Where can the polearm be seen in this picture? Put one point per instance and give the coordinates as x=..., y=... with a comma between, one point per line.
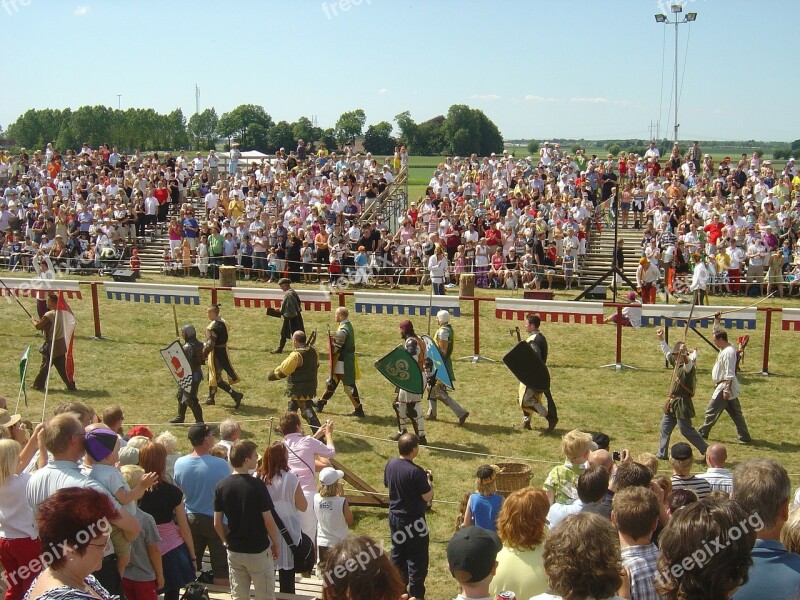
x=727, y=312
x=11, y=293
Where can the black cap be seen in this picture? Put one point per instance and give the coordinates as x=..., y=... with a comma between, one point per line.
x=602, y=440
x=198, y=432
x=471, y=554
x=681, y=451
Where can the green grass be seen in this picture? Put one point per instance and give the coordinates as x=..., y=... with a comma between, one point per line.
x=126, y=368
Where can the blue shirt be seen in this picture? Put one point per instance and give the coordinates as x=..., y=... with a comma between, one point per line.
x=775, y=573
x=190, y=223
x=485, y=510
x=198, y=476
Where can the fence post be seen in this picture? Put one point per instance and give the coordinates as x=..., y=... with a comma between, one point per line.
x=476, y=326
x=213, y=295
x=96, y=310
x=767, y=335
x=341, y=298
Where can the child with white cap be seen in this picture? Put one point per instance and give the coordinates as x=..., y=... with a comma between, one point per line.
x=334, y=516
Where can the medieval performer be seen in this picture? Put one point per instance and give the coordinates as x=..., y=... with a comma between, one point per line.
x=290, y=312
x=300, y=370
x=193, y=350
x=215, y=351
x=444, y=339
x=408, y=405
x=344, y=364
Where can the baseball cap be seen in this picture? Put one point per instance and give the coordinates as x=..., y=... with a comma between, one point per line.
x=198, y=432
x=681, y=451
x=329, y=475
x=100, y=443
x=471, y=554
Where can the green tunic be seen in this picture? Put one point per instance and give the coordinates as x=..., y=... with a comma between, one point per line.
x=681, y=405
x=347, y=354
x=302, y=383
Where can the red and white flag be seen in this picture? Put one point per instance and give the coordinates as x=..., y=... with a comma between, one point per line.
x=68, y=323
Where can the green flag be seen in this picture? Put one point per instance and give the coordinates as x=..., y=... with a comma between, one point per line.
x=23, y=369
x=400, y=368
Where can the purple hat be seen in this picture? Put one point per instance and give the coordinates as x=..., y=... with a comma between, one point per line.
x=100, y=443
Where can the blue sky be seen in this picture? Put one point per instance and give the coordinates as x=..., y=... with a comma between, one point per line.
x=538, y=69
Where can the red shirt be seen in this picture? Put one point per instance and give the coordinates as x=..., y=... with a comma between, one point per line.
x=161, y=194
x=714, y=231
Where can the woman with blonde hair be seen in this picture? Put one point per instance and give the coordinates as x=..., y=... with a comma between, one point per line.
x=522, y=527
x=19, y=546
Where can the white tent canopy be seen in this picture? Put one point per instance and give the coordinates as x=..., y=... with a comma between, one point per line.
x=247, y=157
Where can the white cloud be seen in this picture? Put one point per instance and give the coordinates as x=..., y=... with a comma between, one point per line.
x=599, y=100
x=382, y=91
x=81, y=11
x=531, y=98
x=486, y=97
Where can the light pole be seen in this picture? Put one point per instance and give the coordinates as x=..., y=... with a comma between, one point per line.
x=119, y=101
x=676, y=9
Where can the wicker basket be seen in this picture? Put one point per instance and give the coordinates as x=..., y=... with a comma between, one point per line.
x=514, y=476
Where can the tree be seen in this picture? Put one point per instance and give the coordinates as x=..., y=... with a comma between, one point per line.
x=202, y=129
x=349, y=126
x=408, y=130
x=303, y=129
x=280, y=136
x=239, y=125
x=614, y=149
x=533, y=147
x=795, y=145
x=328, y=138
x=378, y=138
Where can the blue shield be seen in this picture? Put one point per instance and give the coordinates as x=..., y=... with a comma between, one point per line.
x=440, y=371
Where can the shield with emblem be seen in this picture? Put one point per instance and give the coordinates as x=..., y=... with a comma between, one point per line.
x=178, y=365
x=439, y=368
x=526, y=365
x=400, y=368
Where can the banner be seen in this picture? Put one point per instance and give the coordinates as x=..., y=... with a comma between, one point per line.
x=68, y=323
x=178, y=365
x=400, y=368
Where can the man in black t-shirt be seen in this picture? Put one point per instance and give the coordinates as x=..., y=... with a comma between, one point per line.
x=410, y=490
x=251, y=532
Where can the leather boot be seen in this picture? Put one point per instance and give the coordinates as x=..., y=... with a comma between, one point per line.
x=197, y=412
x=181, y=414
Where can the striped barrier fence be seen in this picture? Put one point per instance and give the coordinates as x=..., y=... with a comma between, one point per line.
x=37, y=288
x=311, y=300
x=554, y=311
x=405, y=304
x=153, y=293
x=790, y=319
x=675, y=315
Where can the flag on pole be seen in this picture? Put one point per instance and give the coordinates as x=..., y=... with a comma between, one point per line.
x=68, y=323
x=178, y=365
x=23, y=369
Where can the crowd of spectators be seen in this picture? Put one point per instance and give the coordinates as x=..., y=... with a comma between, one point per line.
x=305, y=213
x=601, y=526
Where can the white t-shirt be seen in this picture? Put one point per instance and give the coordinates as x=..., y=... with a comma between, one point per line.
x=331, y=526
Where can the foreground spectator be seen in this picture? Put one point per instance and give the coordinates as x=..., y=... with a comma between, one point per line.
x=582, y=559
x=682, y=479
x=722, y=569
x=250, y=535
x=718, y=477
x=410, y=490
x=762, y=488
x=635, y=513
x=378, y=579
x=521, y=526
x=164, y=503
x=79, y=517
x=198, y=474
x=471, y=558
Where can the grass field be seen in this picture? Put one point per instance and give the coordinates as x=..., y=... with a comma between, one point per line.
x=126, y=368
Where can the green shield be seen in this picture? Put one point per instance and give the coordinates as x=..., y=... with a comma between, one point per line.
x=400, y=368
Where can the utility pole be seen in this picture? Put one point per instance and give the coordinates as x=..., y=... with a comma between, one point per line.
x=119, y=101
x=196, y=99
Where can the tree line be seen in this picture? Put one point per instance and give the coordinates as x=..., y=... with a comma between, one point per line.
x=462, y=131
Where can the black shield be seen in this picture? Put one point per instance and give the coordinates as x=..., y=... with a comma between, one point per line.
x=526, y=365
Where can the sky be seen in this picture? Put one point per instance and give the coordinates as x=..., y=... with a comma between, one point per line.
x=539, y=69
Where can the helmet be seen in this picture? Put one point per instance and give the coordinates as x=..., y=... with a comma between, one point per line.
x=443, y=316
x=411, y=346
x=189, y=332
